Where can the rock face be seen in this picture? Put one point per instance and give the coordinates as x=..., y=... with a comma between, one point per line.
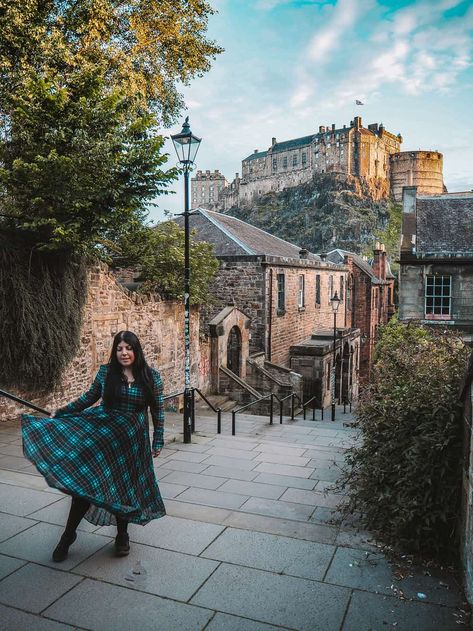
x=327, y=212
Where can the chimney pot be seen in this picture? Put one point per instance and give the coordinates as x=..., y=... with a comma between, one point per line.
x=323, y=256
x=273, y=141
x=303, y=253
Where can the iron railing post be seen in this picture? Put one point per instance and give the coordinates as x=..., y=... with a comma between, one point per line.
x=322, y=417
x=280, y=412
x=193, y=410
x=233, y=422
x=219, y=421
x=292, y=406
x=271, y=408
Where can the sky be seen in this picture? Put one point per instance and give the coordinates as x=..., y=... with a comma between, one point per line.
x=290, y=66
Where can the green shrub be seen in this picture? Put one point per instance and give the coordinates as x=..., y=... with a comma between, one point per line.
x=405, y=476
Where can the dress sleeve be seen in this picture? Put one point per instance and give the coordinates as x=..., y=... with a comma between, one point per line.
x=87, y=399
x=157, y=412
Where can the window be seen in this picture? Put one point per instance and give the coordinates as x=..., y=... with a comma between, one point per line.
x=438, y=297
x=301, y=296
x=281, y=292
x=304, y=159
x=330, y=288
x=284, y=162
x=341, y=287
x=275, y=164
x=317, y=290
x=294, y=160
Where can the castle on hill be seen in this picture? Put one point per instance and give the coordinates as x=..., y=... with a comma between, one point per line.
x=371, y=153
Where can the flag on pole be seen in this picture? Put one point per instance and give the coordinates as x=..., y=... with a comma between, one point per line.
x=359, y=102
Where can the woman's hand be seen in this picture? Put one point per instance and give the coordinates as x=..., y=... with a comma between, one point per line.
x=53, y=414
x=156, y=453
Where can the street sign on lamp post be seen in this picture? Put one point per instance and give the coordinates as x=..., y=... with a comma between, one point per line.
x=186, y=146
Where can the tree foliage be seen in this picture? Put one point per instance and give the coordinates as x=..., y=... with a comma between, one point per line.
x=159, y=253
x=406, y=475
x=84, y=87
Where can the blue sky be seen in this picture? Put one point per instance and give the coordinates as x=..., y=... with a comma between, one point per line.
x=290, y=66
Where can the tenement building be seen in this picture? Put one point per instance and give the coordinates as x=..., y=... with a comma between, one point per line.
x=369, y=297
x=206, y=186
x=372, y=153
x=285, y=293
x=436, y=275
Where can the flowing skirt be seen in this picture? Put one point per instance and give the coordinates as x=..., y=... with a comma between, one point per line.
x=103, y=456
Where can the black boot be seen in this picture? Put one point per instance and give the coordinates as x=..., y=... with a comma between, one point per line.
x=122, y=544
x=62, y=548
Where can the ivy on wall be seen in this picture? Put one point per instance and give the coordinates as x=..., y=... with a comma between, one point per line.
x=43, y=295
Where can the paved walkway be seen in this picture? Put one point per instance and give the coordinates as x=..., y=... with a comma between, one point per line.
x=247, y=545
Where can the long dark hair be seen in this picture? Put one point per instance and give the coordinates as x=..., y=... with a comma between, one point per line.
x=141, y=370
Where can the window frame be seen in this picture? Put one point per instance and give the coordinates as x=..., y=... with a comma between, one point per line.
x=281, y=293
x=301, y=292
x=440, y=296
x=318, y=293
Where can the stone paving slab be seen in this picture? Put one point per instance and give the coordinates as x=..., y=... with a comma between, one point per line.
x=312, y=498
x=220, y=499
x=12, y=524
x=230, y=472
x=9, y=565
x=15, y=463
x=198, y=512
x=26, y=481
x=101, y=607
x=255, y=489
x=195, y=479
x=179, y=465
x=235, y=463
x=225, y=622
x=23, y=501
x=298, y=472
x=283, y=459
x=286, y=480
x=377, y=612
x=170, y=491
x=15, y=620
x=43, y=586
x=166, y=573
x=293, y=602
x=172, y=533
x=37, y=544
x=277, y=508
x=235, y=452
x=272, y=553
x=287, y=527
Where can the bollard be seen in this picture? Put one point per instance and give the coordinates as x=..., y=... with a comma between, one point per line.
x=233, y=422
x=322, y=417
x=219, y=421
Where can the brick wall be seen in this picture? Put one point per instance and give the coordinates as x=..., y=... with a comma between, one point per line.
x=109, y=308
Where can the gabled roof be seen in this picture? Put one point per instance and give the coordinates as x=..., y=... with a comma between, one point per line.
x=292, y=144
x=234, y=237
x=444, y=224
x=338, y=256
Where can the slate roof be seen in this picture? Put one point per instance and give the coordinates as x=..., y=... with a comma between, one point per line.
x=444, y=224
x=338, y=256
x=234, y=237
x=292, y=144
x=257, y=154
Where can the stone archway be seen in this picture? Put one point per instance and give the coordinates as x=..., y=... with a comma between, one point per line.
x=229, y=344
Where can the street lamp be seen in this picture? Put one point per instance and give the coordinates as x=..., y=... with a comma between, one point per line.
x=335, y=302
x=186, y=146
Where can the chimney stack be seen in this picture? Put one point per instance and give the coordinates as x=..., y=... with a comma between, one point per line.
x=323, y=256
x=303, y=253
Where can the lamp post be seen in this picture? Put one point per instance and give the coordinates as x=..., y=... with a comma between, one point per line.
x=186, y=146
x=335, y=302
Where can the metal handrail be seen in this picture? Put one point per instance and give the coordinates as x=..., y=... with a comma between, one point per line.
x=28, y=404
x=172, y=396
x=218, y=411
x=235, y=412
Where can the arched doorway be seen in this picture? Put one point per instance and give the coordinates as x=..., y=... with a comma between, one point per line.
x=234, y=351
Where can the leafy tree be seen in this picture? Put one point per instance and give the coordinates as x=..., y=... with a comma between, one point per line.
x=84, y=87
x=159, y=253
x=405, y=476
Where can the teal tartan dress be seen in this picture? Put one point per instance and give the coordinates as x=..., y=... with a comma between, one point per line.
x=101, y=454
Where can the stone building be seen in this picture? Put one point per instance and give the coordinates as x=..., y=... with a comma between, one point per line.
x=284, y=290
x=436, y=275
x=371, y=153
x=206, y=186
x=369, y=297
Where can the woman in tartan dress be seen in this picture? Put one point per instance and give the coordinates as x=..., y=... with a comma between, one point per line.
x=102, y=455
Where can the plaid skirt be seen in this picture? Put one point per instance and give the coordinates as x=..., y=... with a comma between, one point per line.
x=101, y=455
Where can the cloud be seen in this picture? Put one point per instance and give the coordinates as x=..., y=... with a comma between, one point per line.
x=325, y=41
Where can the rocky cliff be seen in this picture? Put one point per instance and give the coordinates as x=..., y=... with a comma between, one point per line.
x=328, y=212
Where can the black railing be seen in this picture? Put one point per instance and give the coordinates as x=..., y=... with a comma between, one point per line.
x=244, y=407
x=218, y=411
x=28, y=404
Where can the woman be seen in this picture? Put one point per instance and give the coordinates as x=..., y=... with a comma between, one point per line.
x=102, y=455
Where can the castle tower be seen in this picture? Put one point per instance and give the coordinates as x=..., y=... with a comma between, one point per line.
x=423, y=169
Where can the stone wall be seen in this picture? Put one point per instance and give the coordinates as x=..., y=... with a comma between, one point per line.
x=294, y=323
x=466, y=527
x=109, y=308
